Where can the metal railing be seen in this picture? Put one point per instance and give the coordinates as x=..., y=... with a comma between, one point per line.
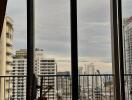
x=59, y=87
x=96, y=87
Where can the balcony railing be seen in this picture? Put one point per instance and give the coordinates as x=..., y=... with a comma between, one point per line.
x=55, y=87
x=9, y=41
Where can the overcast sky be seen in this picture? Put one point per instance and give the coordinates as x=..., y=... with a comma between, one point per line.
x=52, y=28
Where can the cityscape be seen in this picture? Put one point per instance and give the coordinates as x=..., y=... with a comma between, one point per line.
x=53, y=74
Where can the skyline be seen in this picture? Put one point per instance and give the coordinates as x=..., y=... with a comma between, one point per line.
x=93, y=28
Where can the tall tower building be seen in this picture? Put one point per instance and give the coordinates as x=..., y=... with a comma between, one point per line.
x=127, y=37
x=127, y=32
x=63, y=84
x=48, y=68
x=89, y=70
x=19, y=69
x=6, y=51
x=39, y=55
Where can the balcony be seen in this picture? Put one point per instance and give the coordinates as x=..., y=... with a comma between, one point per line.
x=9, y=58
x=9, y=50
x=9, y=41
x=91, y=87
x=8, y=68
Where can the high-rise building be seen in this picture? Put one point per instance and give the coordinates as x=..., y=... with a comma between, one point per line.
x=127, y=31
x=19, y=69
x=89, y=69
x=42, y=66
x=127, y=37
x=6, y=51
x=63, y=83
x=22, y=53
x=39, y=55
x=48, y=67
x=86, y=82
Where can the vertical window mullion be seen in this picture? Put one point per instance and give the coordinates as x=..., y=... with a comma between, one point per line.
x=30, y=48
x=115, y=49
x=74, y=49
x=121, y=48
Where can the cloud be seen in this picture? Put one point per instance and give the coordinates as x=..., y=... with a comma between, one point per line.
x=64, y=63
x=16, y=9
x=93, y=11
x=126, y=8
x=52, y=27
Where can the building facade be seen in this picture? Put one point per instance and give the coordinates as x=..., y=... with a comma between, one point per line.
x=63, y=84
x=48, y=70
x=42, y=67
x=39, y=55
x=6, y=57
x=127, y=37
x=19, y=69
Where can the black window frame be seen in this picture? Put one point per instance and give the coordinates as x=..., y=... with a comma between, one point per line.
x=30, y=48
x=117, y=48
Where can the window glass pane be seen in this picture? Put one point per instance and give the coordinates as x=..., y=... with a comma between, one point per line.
x=94, y=35
x=52, y=43
x=13, y=45
x=94, y=39
x=127, y=45
x=127, y=31
x=52, y=29
x=18, y=14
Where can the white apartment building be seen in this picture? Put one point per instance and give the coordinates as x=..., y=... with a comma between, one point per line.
x=39, y=55
x=19, y=68
x=19, y=83
x=45, y=66
x=6, y=51
x=22, y=53
x=89, y=69
x=63, y=83
x=42, y=66
x=48, y=67
x=127, y=32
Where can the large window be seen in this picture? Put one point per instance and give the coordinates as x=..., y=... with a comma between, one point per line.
x=48, y=46
x=52, y=31
x=94, y=35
